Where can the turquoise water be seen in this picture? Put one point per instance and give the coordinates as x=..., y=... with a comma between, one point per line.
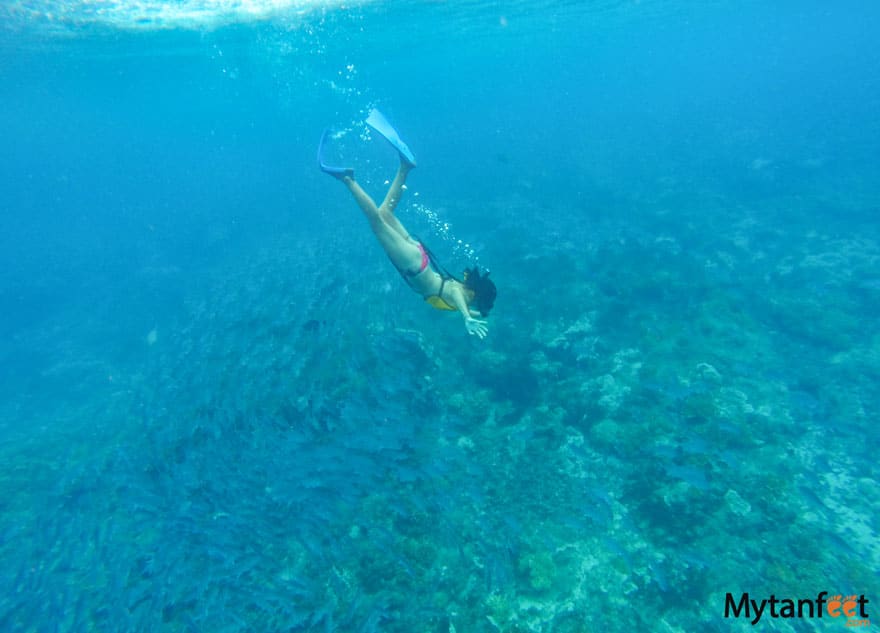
x=222, y=410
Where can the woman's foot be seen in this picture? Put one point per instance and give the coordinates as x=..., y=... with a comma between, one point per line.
x=340, y=173
x=410, y=164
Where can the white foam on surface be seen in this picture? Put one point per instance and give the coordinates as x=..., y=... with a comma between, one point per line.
x=157, y=14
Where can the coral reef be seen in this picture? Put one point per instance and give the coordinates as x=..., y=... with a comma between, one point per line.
x=649, y=441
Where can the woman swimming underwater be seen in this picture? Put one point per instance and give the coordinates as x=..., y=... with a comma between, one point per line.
x=473, y=295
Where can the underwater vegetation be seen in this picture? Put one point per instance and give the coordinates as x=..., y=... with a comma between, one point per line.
x=650, y=442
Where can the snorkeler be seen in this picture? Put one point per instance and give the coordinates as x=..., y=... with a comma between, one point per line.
x=473, y=295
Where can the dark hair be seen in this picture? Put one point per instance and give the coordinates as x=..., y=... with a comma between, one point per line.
x=482, y=287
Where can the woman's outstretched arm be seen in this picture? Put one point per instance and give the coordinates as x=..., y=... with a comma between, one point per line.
x=475, y=327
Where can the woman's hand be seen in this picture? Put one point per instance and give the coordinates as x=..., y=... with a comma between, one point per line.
x=476, y=327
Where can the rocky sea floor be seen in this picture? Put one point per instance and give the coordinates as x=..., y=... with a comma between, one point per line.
x=673, y=404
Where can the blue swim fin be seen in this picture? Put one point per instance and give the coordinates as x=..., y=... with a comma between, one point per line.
x=336, y=172
x=378, y=122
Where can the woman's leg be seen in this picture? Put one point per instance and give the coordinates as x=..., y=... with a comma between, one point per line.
x=401, y=248
x=365, y=202
x=395, y=192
